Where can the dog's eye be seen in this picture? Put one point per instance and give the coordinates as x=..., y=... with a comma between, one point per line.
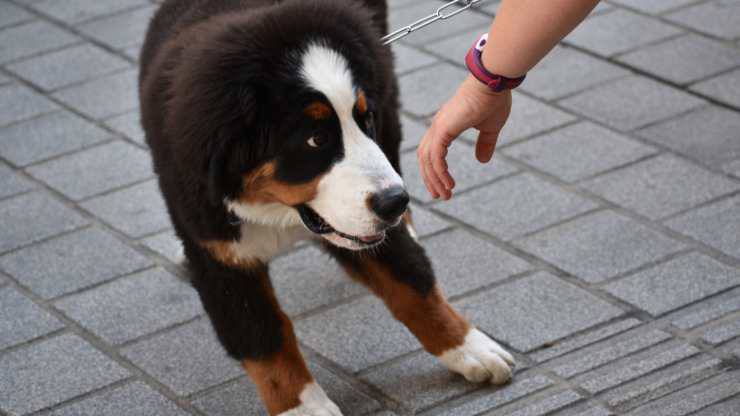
x=316, y=141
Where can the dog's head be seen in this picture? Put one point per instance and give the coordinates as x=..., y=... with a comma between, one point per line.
x=286, y=108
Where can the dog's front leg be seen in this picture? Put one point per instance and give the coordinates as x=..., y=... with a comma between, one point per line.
x=400, y=273
x=241, y=304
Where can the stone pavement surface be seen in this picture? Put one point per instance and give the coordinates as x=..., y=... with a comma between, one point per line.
x=602, y=247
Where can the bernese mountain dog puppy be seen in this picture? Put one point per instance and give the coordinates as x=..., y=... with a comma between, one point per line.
x=275, y=121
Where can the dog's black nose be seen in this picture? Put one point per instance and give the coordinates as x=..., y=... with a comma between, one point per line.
x=390, y=203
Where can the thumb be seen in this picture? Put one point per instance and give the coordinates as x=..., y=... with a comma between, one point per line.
x=486, y=145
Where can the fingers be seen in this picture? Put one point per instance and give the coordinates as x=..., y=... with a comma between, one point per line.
x=485, y=146
x=432, y=155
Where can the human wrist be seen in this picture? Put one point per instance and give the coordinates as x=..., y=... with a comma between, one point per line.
x=493, y=80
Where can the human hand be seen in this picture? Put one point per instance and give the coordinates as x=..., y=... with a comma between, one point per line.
x=473, y=105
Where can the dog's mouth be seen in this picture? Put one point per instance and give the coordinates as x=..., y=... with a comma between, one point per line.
x=317, y=225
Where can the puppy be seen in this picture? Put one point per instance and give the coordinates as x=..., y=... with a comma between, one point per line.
x=275, y=121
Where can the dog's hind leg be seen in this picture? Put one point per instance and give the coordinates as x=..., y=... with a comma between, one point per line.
x=400, y=274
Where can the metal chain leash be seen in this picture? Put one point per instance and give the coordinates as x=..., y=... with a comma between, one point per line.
x=442, y=13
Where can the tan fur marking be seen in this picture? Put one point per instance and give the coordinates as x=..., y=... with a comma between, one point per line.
x=318, y=110
x=430, y=318
x=260, y=186
x=227, y=253
x=361, y=101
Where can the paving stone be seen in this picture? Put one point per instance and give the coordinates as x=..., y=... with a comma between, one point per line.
x=4, y=79
x=719, y=18
x=579, y=151
x=133, y=399
x=723, y=88
x=726, y=408
x=32, y=38
x=308, y=279
x=719, y=130
x=733, y=168
x=544, y=406
x=693, y=398
x=569, y=345
x=413, y=131
x=362, y=334
x=676, y=59
x=713, y=225
x=241, y=398
x=423, y=98
x=706, y=311
x=529, y=117
x=32, y=217
x=536, y=310
x=455, y=48
x=121, y=30
x=675, y=283
x=600, y=246
x=592, y=411
x=168, y=245
x=76, y=11
x=722, y=332
x=462, y=165
x=607, y=350
x=18, y=103
x=68, y=66
x=662, y=382
x=516, y=206
x=11, y=183
x=619, y=31
x=52, y=371
x=661, y=186
x=21, y=320
x=135, y=211
x=654, y=6
x=463, y=262
x=133, y=306
x=11, y=14
x=492, y=397
x=630, y=103
x=129, y=125
x=186, y=359
x=464, y=21
x=133, y=52
x=104, y=97
x=72, y=262
x=408, y=58
x=574, y=71
x=48, y=136
x=425, y=222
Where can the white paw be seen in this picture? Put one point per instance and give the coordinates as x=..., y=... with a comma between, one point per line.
x=314, y=402
x=479, y=359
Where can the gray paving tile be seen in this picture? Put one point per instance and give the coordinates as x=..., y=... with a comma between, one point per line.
x=187, y=359
x=733, y=168
x=536, y=310
x=654, y=6
x=619, y=31
x=726, y=408
x=710, y=135
x=32, y=217
x=708, y=310
x=566, y=346
x=68, y=66
x=11, y=183
x=132, y=399
x=21, y=320
x=168, y=245
x=464, y=21
x=675, y=283
x=48, y=136
x=18, y=103
x=589, y=411
x=543, y=406
x=103, y=97
x=308, y=279
x=75, y=11
x=463, y=262
x=408, y=58
x=413, y=131
x=241, y=398
x=630, y=103
x=52, y=371
x=129, y=125
x=135, y=211
x=723, y=88
x=715, y=225
x=96, y=170
x=685, y=59
x=133, y=306
x=722, y=332
x=425, y=222
x=579, y=151
x=573, y=70
x=363, y=333
x=529, y=117
x=455, y=48
x=423, y=98
x=11, y=14
x=4, y=79
x=133, y=52
x=719, y=18
x=516, y=206
x=599, y=246
x=463, y=166
x=120, y=30
x=72, y=262
x=660, y=186
x=32, y=38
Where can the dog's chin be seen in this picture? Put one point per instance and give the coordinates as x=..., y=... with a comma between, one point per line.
x=319, y=226
x=351, y=244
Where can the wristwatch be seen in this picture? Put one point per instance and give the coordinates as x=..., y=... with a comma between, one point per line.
x=475, y=65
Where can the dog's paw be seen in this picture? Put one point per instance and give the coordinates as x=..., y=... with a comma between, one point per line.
x=314, y=402
x=479, y=359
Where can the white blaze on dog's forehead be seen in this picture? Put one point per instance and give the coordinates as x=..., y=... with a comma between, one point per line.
x=327, y=71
